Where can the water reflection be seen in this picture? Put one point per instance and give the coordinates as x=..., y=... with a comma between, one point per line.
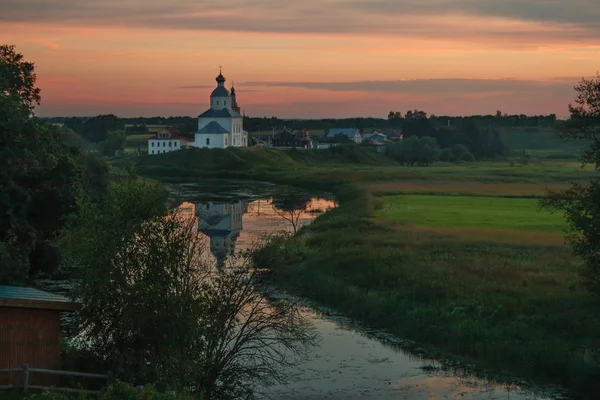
x=222, y=224
x=233, y=225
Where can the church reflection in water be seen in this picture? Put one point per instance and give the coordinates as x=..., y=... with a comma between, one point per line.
x=222, y=223
x=242, y=224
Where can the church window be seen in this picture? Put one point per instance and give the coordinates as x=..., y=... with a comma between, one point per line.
x=169, y=144
x=152, y=144
x=208, y=141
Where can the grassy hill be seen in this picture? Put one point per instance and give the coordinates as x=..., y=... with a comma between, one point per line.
x=194, y=161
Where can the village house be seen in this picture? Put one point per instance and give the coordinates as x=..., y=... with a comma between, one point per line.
x=375, y=136
x=352, y=134
x=288, y=138
x=221, y=125
x=165, y=141
x=30, y=332
x=391, y=134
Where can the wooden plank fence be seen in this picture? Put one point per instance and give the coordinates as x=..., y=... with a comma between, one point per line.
x=25, y=386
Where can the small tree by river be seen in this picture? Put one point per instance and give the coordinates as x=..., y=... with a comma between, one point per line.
x=158, y=311
x=290, y=206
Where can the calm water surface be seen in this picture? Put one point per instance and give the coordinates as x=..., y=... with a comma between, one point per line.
x=350, y=362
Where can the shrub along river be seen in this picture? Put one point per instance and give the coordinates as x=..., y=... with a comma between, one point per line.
x=351, y=361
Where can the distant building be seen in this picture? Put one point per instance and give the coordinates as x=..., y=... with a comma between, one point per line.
x=221, y=125
x=165, y=141
x=352, y=134
x=393, y=134
x=375, y=136
x=288, y=138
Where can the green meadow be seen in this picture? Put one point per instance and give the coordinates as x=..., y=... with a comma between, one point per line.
x=470, y=211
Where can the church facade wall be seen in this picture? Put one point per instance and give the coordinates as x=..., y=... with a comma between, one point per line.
x=211, y=141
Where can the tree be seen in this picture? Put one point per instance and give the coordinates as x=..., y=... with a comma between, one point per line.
x=394, y=115
x=291, y=206
x=581, y=203
x=40, y=176
x=17, y=78
x=156, y=309
x=95, y=129
x=115, y=141
x=414, y=150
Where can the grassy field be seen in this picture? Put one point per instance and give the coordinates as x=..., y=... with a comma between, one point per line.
x=470, y=211
x=456, y=256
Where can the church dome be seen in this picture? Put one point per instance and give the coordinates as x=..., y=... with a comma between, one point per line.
x=220, y=91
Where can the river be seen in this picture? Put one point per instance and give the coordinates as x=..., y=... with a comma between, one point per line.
x=351, y=361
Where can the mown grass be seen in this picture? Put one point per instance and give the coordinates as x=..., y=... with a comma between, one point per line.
x=470, y=211
x=465, y=188
x=482, y=275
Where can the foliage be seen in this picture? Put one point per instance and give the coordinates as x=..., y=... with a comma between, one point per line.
x=40, y=176
x=95, y=129
x=156, y=309
x=414, y=151
x=17, y=78
x=581, y=203
x=116, y=391
x=136, y=129
x=581, y=207
x=115, y=140
x=291, y=205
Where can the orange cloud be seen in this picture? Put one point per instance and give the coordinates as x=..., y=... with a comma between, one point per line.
x=48, y=43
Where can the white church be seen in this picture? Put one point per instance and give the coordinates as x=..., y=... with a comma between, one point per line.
x=221, y=125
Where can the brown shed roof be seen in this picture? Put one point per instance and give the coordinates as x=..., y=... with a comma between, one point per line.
x=13, y=296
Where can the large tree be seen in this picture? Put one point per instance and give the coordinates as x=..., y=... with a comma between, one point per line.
x=40, y=176
x=158, y=311
x=581, y=203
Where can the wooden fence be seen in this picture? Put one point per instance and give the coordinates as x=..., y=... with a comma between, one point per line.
x=25, y=386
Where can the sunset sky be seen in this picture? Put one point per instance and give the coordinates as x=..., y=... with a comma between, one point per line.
x=306, y=59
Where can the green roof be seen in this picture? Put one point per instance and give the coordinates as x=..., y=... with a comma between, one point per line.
x=14, y=296
x=23, y=293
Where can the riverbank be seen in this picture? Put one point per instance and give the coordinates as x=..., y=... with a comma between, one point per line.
x=498, y=292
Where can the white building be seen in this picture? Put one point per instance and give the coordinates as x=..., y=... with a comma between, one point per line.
x=163, y=142
x=221, y=125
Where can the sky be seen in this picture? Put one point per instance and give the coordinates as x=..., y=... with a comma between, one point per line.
x=306, y=59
